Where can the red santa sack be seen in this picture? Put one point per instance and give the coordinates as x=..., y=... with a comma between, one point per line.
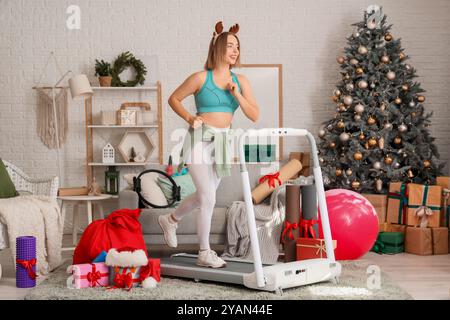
x=120, y=229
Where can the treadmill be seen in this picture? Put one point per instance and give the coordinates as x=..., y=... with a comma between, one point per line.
x=254, y=274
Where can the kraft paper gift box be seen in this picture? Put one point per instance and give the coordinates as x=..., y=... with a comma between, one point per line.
x=440, y=240
x=424, y=205
x=88, y=275
x=379, y=201
x=311, y=248
x=390, y=227
x=397, y=203
x=444, y=182
x=419, y=241
x=389, y=243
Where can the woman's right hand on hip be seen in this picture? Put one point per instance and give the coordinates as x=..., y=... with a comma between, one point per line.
x=196, y=121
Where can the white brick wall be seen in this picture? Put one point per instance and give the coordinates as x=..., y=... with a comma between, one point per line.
x=304, y=36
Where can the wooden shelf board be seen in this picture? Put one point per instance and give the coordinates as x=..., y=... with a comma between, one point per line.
x=152, y=88
x=101, y=126
x=130, y=164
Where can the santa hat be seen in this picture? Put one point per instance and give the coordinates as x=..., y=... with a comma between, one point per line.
x=126, y=257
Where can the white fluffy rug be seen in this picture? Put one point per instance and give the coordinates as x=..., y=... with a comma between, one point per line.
x=352, y=286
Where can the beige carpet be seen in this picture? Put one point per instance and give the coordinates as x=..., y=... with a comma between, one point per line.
x=353, y=285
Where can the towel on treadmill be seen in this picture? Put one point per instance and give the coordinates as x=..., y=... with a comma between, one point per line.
x=269, y=222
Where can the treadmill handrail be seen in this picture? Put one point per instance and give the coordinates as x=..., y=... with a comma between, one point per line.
x=249, y=203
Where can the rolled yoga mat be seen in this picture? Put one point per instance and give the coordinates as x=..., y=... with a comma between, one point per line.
x=309, y=207
x=291, y=228
x=25, y=262
x=289, y=170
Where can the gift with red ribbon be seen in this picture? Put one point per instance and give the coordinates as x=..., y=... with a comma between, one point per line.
x=288, y=228
x=26, y=262
x=307, y=228
x=88, y=275
x=271, y=178
x=130, y=268
x=312, y=248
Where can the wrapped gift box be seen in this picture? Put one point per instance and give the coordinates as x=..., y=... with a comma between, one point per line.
x=379, y=201
x=309, y=248
x=391, y=227
x=88, y=275
x=397, y=203
x=419, y=197
x=389, y=243
x=444, y=182
x=419, y=241
x=440, y=240
x=129, y=277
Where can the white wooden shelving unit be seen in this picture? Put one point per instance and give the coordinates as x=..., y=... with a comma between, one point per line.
x=91, y=128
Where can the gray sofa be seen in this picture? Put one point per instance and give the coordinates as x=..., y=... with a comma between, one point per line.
x=230, y=189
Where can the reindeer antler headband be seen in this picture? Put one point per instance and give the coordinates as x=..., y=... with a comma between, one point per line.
x=219, y=28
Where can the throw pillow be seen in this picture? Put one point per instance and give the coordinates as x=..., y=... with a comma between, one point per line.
x=185, y=182
x=150, y=189
x=7, y=188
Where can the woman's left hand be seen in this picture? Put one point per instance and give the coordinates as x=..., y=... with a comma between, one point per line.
x=233, y=88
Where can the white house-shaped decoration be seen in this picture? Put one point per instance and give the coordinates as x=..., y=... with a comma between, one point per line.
x=108, y=154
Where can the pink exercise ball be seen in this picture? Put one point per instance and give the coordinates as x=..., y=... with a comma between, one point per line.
x=353, y=223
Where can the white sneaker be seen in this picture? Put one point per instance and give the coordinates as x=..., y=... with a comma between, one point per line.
x=169, y=228
x=209, y=258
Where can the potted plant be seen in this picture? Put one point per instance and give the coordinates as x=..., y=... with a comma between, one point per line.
x=103, y=71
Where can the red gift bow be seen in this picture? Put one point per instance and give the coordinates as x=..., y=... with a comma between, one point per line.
x=28, y=265
x=288, y=227
x=271, y=179
x=307, y=225
x=124, y=280
x=93, y=276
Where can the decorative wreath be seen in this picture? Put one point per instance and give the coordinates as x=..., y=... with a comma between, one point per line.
x=124, y=60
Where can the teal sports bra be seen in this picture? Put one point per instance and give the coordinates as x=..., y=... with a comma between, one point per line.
x=211, y=98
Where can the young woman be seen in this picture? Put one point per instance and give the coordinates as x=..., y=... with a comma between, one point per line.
x=218, y=93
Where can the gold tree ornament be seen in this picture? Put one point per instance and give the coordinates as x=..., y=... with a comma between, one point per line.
x=340, y=59
x=398, y=100
x=421, y=98
x=342, y=108
x=335, y=98
x=341, y=124
x=372, y=142
x=388, y=37
x=410, y=174
x=405, y=87
x=402, y=128
x=371, y=121
x=357, y=156
x=356, y=184
x=337, y=92
x=332, y=145
x=397, y=140
x=402, y=56
x=361, y=136
x=338, y=172
x=426, y=163
x=359, y=70
x=388, y=160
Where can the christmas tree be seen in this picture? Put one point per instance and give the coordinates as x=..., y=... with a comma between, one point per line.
x=380, y=130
